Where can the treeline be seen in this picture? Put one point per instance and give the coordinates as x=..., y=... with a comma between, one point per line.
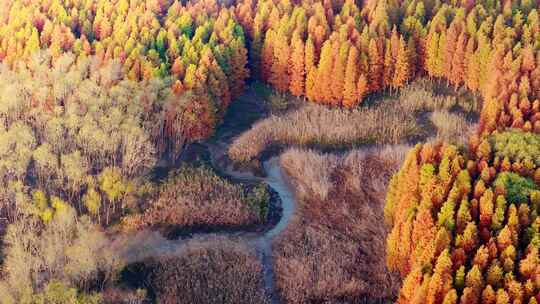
x=492, y=48
x=79, y=132
x=336, y=52
x=199, y=45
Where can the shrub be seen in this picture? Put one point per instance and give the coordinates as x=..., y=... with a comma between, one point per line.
x=464, y=225
x=216, y=271
x=259, y=199
x=333, y=250
x=321, y=126
x=278, y=102
x=59, y=293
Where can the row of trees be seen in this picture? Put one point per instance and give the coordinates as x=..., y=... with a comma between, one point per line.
x=464, y=222
x=199, y=45
x=329, y=51
x=335, y=52
x=492, y=50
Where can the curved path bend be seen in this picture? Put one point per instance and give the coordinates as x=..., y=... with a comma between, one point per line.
x=147, y=243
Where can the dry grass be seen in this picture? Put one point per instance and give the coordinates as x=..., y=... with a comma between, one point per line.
x=197, y=197
x=427, y=95
x=315, y=125
x=216, y=271
x=334, y=250
x=316, y=181
x=420, y=97
x=451, y=127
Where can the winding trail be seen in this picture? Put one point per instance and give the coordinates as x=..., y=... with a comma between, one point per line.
x=149, y=243
x=275, y=180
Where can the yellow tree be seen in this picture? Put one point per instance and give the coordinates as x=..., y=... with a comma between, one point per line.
x=324, y=74
x=310, y=69
x=402, y=68
x=267, y=56
x=341, y=50
x=375, y=66
x=279, y=76
x=238, y=65
x=388, y=71
x=297, y=70
x=350, y=92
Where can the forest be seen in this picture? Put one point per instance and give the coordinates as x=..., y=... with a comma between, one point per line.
x=269, y=151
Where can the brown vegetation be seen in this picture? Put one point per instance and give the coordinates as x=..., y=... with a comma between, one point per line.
x=214, y=271
x=392, y=120
x=196, y=196
x=335, y=246
x=321, y=126
x=425, y=95
x=124, y=296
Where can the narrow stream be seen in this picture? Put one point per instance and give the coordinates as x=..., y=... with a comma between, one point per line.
x=277, y=182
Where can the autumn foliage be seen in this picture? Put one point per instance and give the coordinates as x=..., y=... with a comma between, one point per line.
x=333, y=52
x=337, y=51
x=199, y=45
x=94, y=92
x=465, y=220
x=465, y=225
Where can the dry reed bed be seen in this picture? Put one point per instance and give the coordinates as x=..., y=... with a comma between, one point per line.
x=419, y=96
x=210, y=271
x=317, y=125
x=197, y=197
x=334, y=248
x=429, y=95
